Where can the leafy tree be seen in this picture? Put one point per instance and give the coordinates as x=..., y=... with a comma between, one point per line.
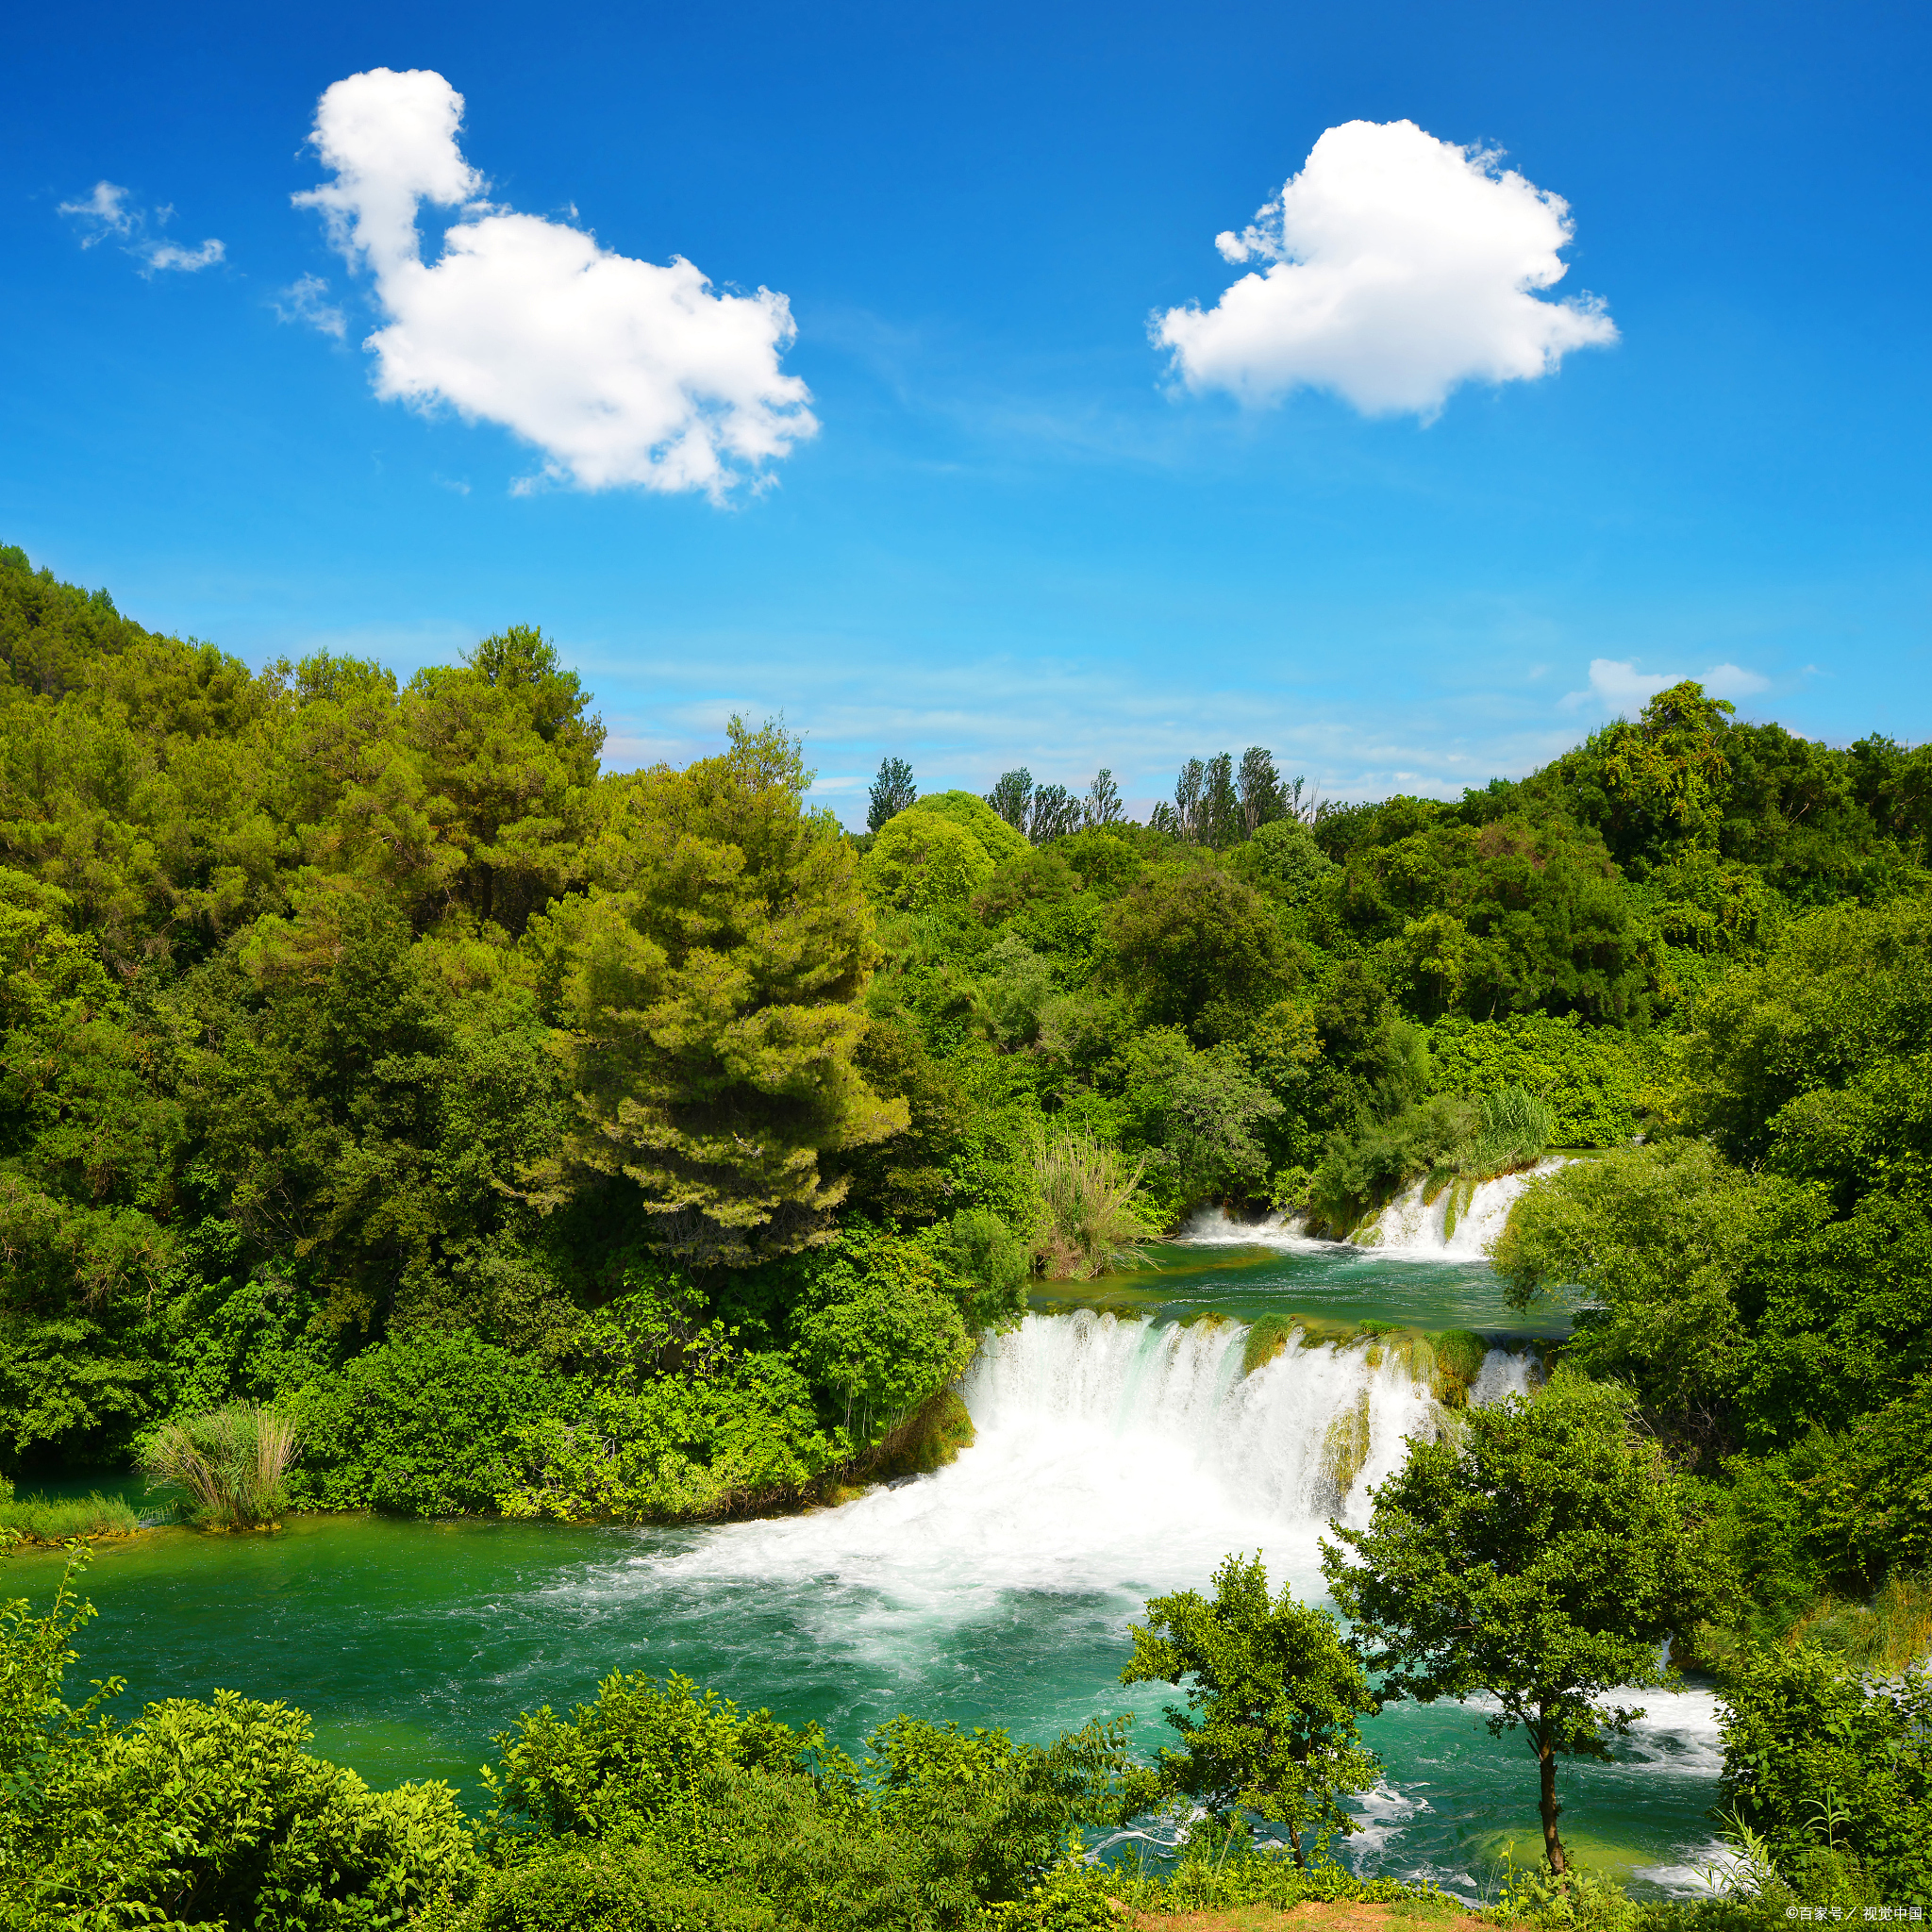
x=1273, y=1696
x=506, y=742
x=895, y=1338
x=712, y=983
x=1001, y=840
x=1669, y=766
x=1282, y=860
x=1257, y=786
x=922, y=863
x=891, y=792
x=1200, y=1112
x=1103, y=806
x=1651, y=1247
x=1200, y=949
x=1542, y=1555
x=1221, y=811
x=1056, y=814
x=1833, y=1771
x=1011, y=797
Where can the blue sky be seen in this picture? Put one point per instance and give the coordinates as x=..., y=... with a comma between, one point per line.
x=1018, y=535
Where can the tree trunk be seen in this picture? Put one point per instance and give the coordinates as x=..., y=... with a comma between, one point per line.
x=1546, y=1775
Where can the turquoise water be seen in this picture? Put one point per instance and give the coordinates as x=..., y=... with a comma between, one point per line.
x=1322, y=1280
x=1116, y=1457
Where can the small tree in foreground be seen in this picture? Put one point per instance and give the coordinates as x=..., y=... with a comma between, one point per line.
x=1273, y=1700
x=1543, y=1554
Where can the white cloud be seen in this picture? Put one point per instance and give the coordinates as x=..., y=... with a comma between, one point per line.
x=621, y=372
x=107, y=215
x=305, y=299
x=1617, y=685
x=1399, y=267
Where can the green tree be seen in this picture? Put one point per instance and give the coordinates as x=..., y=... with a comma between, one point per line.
x=891, y=792
x=1200, y=1112
x=1012, y=796
x=710, y=984
x=1834, y=1769
x=1542, y=1553
x=1200, y=948
x=1651, y=1247
x=1273, y=1696
x=895, y=1338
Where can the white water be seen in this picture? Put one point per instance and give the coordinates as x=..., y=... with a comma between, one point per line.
x=1115, y=1458
x=1114, y=1455
x=1408, y=1230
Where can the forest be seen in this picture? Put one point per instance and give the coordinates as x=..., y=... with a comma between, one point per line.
x=405, y=1112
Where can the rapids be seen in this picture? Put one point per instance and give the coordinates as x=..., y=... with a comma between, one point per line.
x=1459, y=1224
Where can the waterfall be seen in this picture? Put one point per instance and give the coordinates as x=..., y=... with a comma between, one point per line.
x=1460, y=1223
x=1118, y=1459
x=1117, y=1456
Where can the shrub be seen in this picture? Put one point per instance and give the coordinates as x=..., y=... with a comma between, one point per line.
x=982, y=1250
x=1834, y=1771
x=423, y=1424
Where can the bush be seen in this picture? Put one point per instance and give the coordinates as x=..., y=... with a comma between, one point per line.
x=1589, y=1076
x=1093, y=1218
x=602, y=1887
x=982, y=1250
x=423, y=1424
x=1834, y=1771
x=214, y=1814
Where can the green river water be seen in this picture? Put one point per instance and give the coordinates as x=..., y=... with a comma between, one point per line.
x=1120, y=1452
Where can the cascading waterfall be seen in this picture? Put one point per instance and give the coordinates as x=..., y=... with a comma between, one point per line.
x=1119, y=1456
x=1116, y=1458
x=1459, y=1224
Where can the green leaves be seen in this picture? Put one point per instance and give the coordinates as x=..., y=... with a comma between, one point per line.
x=709, y=986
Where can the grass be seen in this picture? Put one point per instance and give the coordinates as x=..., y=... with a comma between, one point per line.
x=58, y=1522
x=1886, y=1635
x=229, y=1466
x=1093, y=1219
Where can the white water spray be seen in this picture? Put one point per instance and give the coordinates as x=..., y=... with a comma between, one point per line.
x=1409, y=1228
x=1117, y=1456
x=1115, y=1460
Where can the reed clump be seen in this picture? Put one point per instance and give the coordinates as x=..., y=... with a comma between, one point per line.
x=230, y=1466
x=1092, y=1219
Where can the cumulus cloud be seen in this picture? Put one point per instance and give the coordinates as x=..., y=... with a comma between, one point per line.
x=109, y=214
x=1399, y=267
x=305, y=299
x=621, y=372
x=1617, y=685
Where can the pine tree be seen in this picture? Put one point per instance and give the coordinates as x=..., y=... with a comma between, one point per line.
x=712, y=982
